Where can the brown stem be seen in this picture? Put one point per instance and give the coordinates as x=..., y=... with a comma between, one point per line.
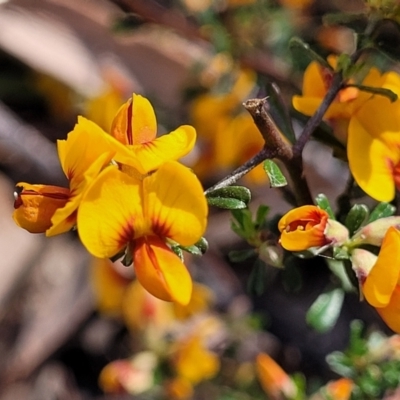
x=282, y=149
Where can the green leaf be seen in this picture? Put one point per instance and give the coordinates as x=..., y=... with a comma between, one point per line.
x=392, y=96
x=241, y=255
x=202, y=245
x=276, y=178
x=355, y=21
x=230, y=198
x=178, y=251
x=279, y=112
x=261, y=215
x=192, y=250
x=338, y=269
x=244, y=226
x=225, y=203
x=302, y=50
x=257, y=278
x=325, y=310
x=382, y=210
x=323, y=203
x=357, y=215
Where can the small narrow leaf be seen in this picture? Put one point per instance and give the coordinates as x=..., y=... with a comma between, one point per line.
x=241, y=255
x=276, y=178
x=357, y=215
x=382, y=210
x=392, y=96
x=192, y=250
x=225, y=203
x=303, y=50
x=279, y=112
x=261, y=215
x=257, y=278
x=202, y=245
x=323, y=203
x=324, y=312
x=178, y=251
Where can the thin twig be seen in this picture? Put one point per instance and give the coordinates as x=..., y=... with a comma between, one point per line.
x=233, y=177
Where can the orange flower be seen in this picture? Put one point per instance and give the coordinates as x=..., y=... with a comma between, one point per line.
x=309, y=226
x=340, y=389
x=35, y=205
x=274, y=380
x=381, y=287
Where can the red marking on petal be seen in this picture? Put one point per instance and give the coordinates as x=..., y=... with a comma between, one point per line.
x=126, y=235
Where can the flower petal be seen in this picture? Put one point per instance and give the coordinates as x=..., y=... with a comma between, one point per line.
x=160, y=271
x=168, y=147
x=135, y=122
x=383, y=278
x=390, y=313
x=110, y=213
x=370, y=161
x=36, y=204
x=175, y=203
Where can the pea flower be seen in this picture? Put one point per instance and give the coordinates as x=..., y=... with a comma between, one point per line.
x=52, y=209
x=381, y=287
x=371, y=122
x=274, y=380
x=120, y=210
x=310, y=226
x=135, y=126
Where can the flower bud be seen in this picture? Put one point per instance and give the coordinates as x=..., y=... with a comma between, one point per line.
x=35, y=205
x=374, y=232
x=309, y=226
x=362, y=263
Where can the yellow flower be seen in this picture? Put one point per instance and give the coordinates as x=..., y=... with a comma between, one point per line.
x=309, y=226
x=120, y=210
x=274, y=380
x=373, y=126
x=52, y=209
x=194, y=362
x=135, y=126
x=381, y=287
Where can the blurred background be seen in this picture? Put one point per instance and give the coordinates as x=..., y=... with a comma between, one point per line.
x=64, y=316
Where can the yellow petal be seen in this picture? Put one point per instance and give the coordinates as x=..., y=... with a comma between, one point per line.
x=314, y=84
x=110, y=213
x=135, y=122
x=35, y=205
x=175, y=204
x=390, y=313
x=165, y=148
x=160, y=271
x=383, y=278
x=370, y=162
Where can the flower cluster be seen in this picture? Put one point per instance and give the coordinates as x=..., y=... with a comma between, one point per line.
x=368, y=122
x=310, y=228
x=127, y=193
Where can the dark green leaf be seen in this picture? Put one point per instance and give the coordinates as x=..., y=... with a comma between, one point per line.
x=357, y=22
x=302, y=50
x=261, y=215
x=357, y=215
x=241, y=255
x=323, y=203
x=392, y=96
x=382, y=210
x=192, y=250
x=244, y=226
x=178, y=251
x=202, y=244
x=257, y=278
x=225, y=203
x=276, y=178
x=325, y=310
x=231, y=192
x=279, y=112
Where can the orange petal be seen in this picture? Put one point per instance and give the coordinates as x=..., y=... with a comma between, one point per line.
x=390, y=313
x=340, y=389
x=135, y=122
x=384, y=276
x=175, y=203
x=36, y=204
x=110, y=213
x=165, y=148
x=302, y=228
x=160, y=271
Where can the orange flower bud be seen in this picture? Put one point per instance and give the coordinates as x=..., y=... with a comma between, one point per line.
x=340, y=389
x=35, y=205
x=309, y=226
x=274, y=380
